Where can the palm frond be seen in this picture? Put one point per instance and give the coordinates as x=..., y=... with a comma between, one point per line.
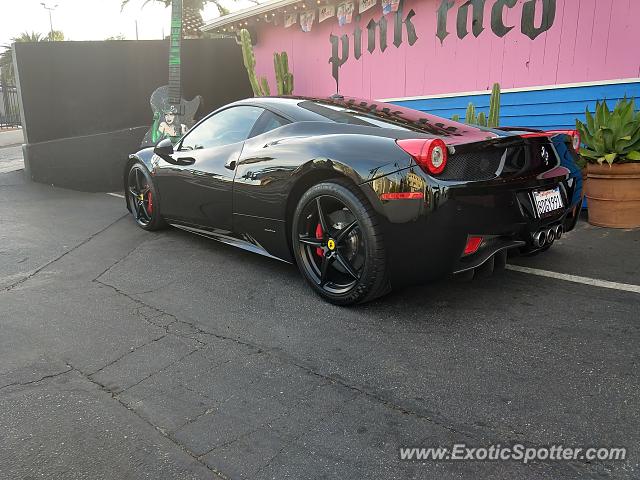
x=196, y=4
x=28, y=37
x=7, y=74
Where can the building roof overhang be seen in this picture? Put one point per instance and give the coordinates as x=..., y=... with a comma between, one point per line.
x=267, y=9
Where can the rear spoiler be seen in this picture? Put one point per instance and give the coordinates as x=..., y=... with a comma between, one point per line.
x=519, y=129
x=574, y=135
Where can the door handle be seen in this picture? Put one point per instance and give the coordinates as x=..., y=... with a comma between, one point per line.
x=231, y=165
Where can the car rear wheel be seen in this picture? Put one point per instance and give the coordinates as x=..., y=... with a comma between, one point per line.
x=338, y=244
x=143, y=199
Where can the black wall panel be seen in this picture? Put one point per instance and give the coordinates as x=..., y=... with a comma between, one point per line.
x=71, y=90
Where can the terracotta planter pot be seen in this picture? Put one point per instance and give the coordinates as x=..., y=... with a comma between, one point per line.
x=613, y=195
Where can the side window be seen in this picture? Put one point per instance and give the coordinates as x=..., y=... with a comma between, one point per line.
x=267, y=122
x=224, y=128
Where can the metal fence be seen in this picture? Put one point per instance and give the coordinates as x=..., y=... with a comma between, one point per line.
x=9, y=109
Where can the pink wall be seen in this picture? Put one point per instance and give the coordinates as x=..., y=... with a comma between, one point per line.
x=590, y=40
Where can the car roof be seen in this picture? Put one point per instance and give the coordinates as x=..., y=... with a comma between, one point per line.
x=293, y=107
x=287, y=106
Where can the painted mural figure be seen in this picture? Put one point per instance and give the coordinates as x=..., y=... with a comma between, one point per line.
x=172, y=115
x=170, y=120
x=169, y=128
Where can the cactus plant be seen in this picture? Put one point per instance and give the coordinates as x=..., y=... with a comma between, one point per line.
x=260, y=86
x=611, y=136
x=264, y=87
x=481, y=119
x=284, y=78
x=277, y=66
x=470, y=117
x=455, y=118
x=494, y=107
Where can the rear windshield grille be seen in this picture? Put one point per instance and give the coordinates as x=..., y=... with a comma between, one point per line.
x=533, y=158
x=473, y=166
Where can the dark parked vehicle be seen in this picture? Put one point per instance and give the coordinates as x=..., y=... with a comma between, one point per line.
x=363, y=196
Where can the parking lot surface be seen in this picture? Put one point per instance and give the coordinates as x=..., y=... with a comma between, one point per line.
x=129, y=354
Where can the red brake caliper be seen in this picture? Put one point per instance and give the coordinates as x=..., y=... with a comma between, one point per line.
x=319, y=235
x=149, y=203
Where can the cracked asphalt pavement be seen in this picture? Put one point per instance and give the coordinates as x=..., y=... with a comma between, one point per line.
x=129, y=354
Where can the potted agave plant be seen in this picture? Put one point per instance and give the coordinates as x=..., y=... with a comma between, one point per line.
x=612, y=149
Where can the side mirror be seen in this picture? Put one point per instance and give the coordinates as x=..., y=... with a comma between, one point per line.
x=164, y=149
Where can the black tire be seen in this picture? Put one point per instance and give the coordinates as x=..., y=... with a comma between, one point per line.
x=143, y=199
x=354, y=268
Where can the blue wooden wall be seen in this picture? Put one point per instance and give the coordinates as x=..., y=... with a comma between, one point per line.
x=543, y=109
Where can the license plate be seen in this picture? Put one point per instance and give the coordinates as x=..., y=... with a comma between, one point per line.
x=548, y=201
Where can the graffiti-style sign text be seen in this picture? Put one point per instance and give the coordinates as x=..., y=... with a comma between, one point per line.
x=340, y=45
x=474, y=8
x=527, y=22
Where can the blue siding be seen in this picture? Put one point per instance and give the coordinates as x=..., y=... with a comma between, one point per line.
x=543, y=109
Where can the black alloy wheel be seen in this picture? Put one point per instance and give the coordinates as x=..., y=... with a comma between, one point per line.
x=338, y=244
x=142, y=198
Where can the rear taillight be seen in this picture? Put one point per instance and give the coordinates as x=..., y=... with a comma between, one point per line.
x=576, y=141
x=430, y=154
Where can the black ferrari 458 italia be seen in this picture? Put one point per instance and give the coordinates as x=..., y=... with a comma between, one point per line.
x=363, y=196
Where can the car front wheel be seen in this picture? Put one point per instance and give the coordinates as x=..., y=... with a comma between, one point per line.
x=338, y=244
x=142, y=198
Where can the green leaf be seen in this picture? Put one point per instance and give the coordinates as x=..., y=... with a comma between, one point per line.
x=609, y=158
x=633, y=143
x=626, y=111
x=607, y=112
x=630, y=128
x=599, y=118
x=590, y=122
x=611, y=135
x=634, y=155
x=585, y=152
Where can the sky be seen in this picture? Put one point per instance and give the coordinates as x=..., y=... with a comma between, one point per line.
x=90, y=19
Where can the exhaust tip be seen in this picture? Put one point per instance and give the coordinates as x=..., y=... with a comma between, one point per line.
x=559, y=231
x=551, y=236
x=539, y=239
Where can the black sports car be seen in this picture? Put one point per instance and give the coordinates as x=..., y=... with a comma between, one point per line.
x=363, y=196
